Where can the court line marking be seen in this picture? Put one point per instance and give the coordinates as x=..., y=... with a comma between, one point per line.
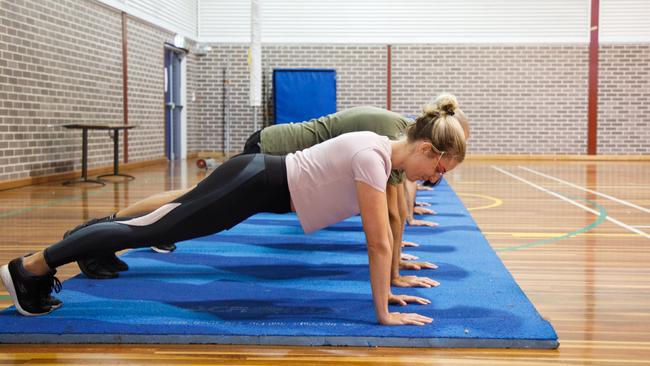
x=50, y=203
x=608, y=218
x=623, y=202
x=602, y=216
x=495, y=201
x=522, y=234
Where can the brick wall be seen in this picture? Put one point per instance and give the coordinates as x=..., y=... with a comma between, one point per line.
x=60, y=62
x=520, y=99
x=146, y=64
x=205, y=121
x=624, y=99
x=193, y=103
x=361, y=80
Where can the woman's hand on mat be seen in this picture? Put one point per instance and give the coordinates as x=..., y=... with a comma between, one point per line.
x=422, y=223
x=416, y=265
x=405, y=319
x=407, y=299
x=423, y=211
x=422, y=204
x=409, y=257
x=409, y=244
x=413, y=281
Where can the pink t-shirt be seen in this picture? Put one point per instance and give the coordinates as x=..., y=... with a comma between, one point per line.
x=322, y=178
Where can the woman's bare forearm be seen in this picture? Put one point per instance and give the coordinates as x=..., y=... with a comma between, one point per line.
x=379, y=260
x=395, y=228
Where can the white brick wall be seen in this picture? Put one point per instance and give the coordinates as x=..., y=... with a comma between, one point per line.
x=624, y=99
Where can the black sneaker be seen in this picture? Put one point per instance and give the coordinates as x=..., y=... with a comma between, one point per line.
x=88, y=223
x=164, y=248
x=102, y=267
x=47, y=293
x=112, y=262
x=28, y=292
x=96, y=268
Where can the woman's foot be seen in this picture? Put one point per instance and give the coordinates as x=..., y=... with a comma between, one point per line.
x=48, y=298
x=30, y=294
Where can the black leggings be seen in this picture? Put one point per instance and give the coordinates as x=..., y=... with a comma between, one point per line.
x=253, y=143
x=239, y=188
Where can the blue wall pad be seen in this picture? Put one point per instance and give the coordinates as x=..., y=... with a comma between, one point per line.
x=263, y=282
x=302, y=94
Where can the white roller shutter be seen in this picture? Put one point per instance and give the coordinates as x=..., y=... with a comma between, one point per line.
x=394, y=21
x=624, y=21
x=178, y=16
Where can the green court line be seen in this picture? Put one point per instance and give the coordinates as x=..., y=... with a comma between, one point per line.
x=602, y=215
x=5, y=297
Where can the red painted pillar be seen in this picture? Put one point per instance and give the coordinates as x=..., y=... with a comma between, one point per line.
x=592, y=115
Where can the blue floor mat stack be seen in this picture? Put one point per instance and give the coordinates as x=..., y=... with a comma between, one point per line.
x=263, y=282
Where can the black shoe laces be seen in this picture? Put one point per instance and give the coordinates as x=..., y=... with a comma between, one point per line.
x=47, y=286
x=56, y=285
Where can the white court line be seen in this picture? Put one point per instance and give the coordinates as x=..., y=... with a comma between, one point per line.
x=630, y=204
x=608, y=218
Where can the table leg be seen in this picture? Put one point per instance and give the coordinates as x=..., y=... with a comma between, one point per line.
x=116, y=158
x=84, y=162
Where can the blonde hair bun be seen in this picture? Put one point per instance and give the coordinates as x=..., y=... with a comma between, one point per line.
x=444, y=104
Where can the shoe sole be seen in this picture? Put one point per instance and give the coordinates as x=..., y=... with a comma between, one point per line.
x=161, y=251
x=9, y=285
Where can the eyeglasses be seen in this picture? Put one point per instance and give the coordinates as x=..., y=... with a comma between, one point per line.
x=441, y=170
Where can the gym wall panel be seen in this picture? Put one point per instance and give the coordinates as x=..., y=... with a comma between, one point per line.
x=389, y=21
x=624, y=21
x=177, y=16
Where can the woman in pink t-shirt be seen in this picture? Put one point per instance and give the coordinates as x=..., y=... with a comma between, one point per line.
x=324, y=184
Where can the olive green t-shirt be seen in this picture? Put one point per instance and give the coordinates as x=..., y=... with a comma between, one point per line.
x=287, y=138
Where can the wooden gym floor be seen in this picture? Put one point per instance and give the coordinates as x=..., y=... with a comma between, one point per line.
x=575, y=235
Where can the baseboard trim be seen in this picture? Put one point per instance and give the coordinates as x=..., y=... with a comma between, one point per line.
x=22, y=182
x=210, y=154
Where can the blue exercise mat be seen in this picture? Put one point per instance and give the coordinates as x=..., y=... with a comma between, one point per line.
x=264, y=282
